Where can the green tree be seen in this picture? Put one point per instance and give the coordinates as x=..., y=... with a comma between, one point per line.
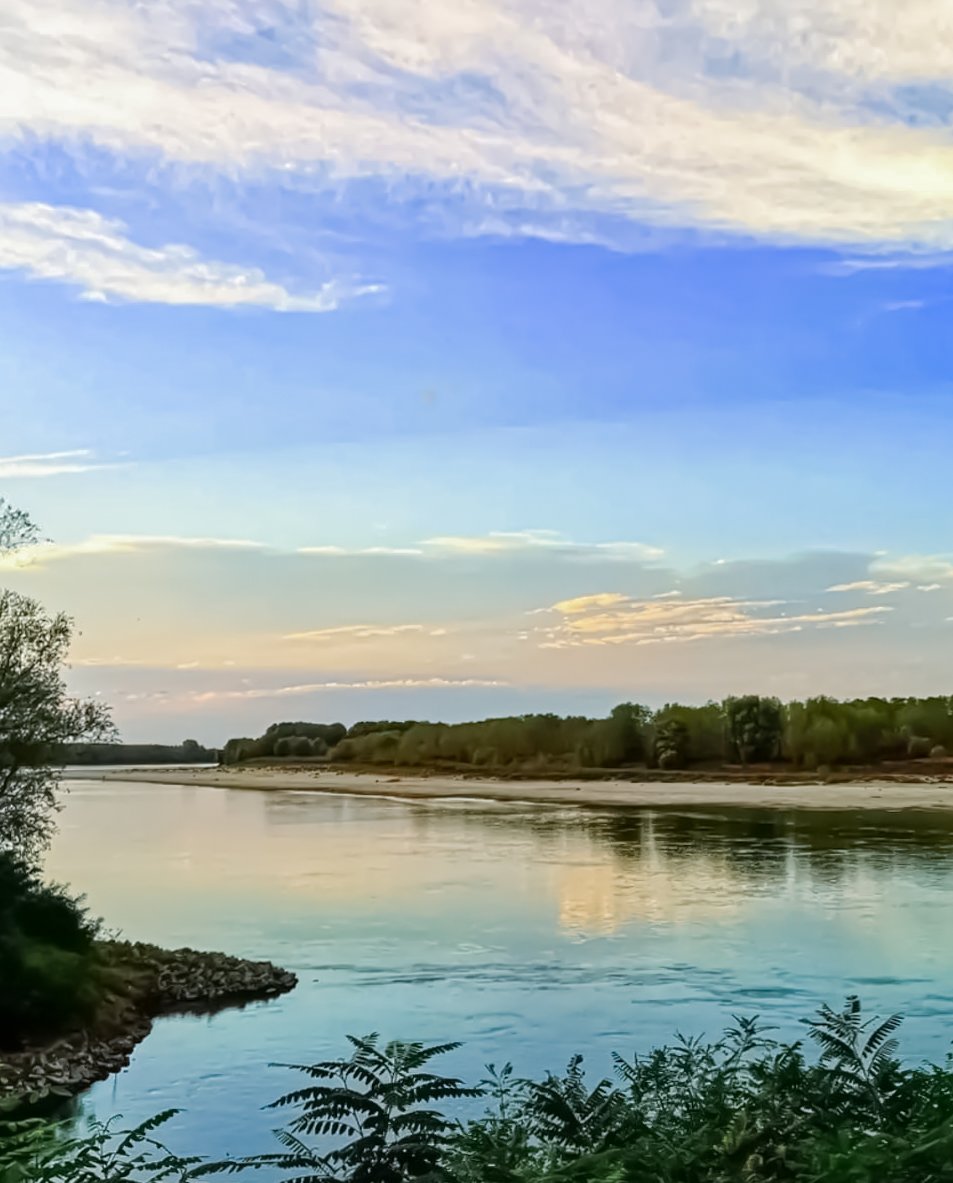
x=754, y=727
x=825, y=742
x=671, y=742
x=301, y=746
x=37, y=715
x=628, y=724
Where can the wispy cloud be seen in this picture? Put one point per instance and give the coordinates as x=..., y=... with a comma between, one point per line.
x=49, y=464
x=915, y=260
x=582, y=604
x=925, y=569
x=355, y=632
x=753, y=118
x=82, y=248
x=44, y=553
x=298, y=691
x=502, y=544
x=871, y=586
x=611, y=619
x=345, y=552
x=536, y=541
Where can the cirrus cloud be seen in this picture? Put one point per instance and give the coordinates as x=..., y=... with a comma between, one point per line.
x=82, y=248
x=303, y=689
x=44, y=464
x=515, y=542
x=613, y=619
x=776, y=119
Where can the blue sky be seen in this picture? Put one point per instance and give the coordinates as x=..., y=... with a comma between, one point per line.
x=396, y=332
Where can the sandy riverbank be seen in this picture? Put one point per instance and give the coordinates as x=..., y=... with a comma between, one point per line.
x=866, y=794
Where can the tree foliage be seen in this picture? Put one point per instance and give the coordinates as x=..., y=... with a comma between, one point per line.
x=746, y=730
x=754, y=727
x=37, y=715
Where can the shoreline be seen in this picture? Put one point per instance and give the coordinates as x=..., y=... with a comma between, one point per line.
x=148, y=983
x=885, y=792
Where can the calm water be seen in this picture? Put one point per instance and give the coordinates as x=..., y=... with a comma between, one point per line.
x=527, y=932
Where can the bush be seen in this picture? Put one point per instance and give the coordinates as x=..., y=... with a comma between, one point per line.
x=346, y=751
x=46, y=957
x=743, y=1108
x=938, y=752
x=918, y=747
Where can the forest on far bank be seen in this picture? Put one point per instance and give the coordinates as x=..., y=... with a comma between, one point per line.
x=747, y=730
x=188, y=752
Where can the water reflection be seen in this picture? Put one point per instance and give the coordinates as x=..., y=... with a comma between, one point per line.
x=528, y=932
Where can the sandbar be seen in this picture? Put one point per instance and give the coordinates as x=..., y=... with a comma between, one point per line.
x=645, y=794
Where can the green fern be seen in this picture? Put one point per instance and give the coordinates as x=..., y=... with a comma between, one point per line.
x=34, y=1151
x=860, y=1055
x=381, y=1104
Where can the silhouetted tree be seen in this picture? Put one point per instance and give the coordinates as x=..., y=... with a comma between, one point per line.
x=37, y=716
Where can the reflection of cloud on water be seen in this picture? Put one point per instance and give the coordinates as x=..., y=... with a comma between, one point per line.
x=600, y=898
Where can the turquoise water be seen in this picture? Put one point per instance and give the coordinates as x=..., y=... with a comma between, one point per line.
x=527, y=932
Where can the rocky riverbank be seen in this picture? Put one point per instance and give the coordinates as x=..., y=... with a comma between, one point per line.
x=140, y=983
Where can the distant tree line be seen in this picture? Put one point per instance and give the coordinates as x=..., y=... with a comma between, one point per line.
x=300, y=740
x=188, y=752
x=746, y=730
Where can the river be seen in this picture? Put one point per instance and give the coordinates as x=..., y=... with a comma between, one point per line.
x=528, y=932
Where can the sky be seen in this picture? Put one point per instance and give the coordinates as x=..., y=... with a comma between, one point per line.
x=366, y=359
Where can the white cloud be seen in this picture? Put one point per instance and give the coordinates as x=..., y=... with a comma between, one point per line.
x=871, y=586
x=49, y=464
x=855, y=40
x=297, y=691
x=753, y=116
x=355, y=632
x=926, y=569
x=345, y=551
x=612, y=619
x=43, y=553
x=109, y=662
x=536, y=541
x=581, y=604
x=526, y=542
x=82, y=248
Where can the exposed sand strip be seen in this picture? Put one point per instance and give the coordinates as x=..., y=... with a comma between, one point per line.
x=872, y=794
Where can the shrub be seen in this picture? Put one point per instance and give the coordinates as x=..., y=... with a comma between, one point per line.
x=46, y=957
x=345, y=751
x=919, y=747
x=743, y=1108
x=938, y=752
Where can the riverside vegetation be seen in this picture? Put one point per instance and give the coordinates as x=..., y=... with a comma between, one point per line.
x=744, y=1109
x=745, y=731
x=747, y=1107
x=72, y=1003
x=190, y=751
